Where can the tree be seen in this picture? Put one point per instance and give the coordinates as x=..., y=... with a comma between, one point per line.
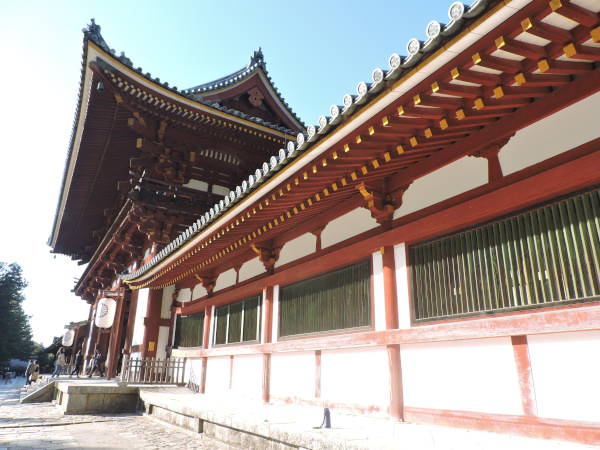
x=15, y=330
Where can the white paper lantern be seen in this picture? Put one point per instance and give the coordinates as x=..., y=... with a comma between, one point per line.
x=105, y=312
x=68, y=338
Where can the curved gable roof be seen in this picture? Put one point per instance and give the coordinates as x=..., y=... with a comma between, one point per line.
x=254, y=74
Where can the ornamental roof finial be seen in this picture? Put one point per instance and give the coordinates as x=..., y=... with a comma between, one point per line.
x=256, y=58
x=92, y=32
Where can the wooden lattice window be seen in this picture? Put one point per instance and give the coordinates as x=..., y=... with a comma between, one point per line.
x=238, y=322
x=547, y=256
x=333, y=301
x=189, y=330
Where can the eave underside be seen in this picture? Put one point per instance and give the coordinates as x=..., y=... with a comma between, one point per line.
x=540, y=61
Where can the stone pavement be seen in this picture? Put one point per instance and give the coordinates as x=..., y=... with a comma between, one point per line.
x=42, y=426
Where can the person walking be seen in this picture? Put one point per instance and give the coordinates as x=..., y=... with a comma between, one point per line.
x=97, y=364
x=78, y=362
x=29, y=371
x=36, y=372
x=59, y=362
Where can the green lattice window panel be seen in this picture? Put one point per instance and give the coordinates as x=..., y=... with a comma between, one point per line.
x=337, y=300
x=547, y=256
x=237, y=322
x=189, y=330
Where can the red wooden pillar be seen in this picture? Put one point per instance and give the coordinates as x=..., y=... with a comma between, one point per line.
x=317, y=373
x=521, y=351
x=131, y=322
x=112, y=356
x=391, y=322
x=205, y=344
x=152, y=323
x=268, y=329
x=92, y=338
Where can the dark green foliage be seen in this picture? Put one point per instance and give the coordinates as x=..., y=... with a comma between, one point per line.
x=15, y=331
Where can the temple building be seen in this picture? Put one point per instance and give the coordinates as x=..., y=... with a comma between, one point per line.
x=429, y=251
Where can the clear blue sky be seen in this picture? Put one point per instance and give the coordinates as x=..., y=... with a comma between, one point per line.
x=316, y=51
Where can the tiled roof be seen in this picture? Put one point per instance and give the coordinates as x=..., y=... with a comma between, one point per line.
x=417, y=50
x=92, y=33
x=255, y=63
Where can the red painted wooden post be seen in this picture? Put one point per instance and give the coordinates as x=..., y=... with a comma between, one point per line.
x=266, y=379
x=152, y=322
x=391, y=322
x=521, y=351
x=267, y=327
x=205, y=345
x=317, y=373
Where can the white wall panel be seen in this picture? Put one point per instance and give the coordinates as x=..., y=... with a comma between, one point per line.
x=476, y=375
x=402, y=287
x=293, y=375
x=247, y=375
x=297, y=248
x=198, y=292
x=140, y=313
x=566, y=374
x=551, y=136
x=251, y=269
x=378, y=292
x=184, y=295
x=217, y=374
x=460, y=176
x=357, y=375
x=225, y=280
x=167, y=301
x=347, y=226
x=193, y=371
x=162, y=342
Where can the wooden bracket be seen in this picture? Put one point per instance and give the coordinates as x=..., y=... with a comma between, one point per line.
x=267, y=255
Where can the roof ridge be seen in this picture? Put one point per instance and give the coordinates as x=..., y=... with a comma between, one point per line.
x=256, y=61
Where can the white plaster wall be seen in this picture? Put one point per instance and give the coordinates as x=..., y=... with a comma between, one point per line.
x=221, y=190
x=275, y=324
x=263, y=317
x=551, y=136
x=167, y=301
x=225, y=280
x=162, y=342
x=356, y=375
x=212, y=326
x=135, y=355
x=193, y=371
x=460, y=176
x=247, y=375
x=378, y=292
x=217, y=374
x=402, y=286
x=347, y=226
x=198, y=291
x=476, y=375
x=293, y=375
x=297, y=248
x=140, y=313
x=198, y=185
x=251, y=268
x=566, y=374
x=184, y=295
